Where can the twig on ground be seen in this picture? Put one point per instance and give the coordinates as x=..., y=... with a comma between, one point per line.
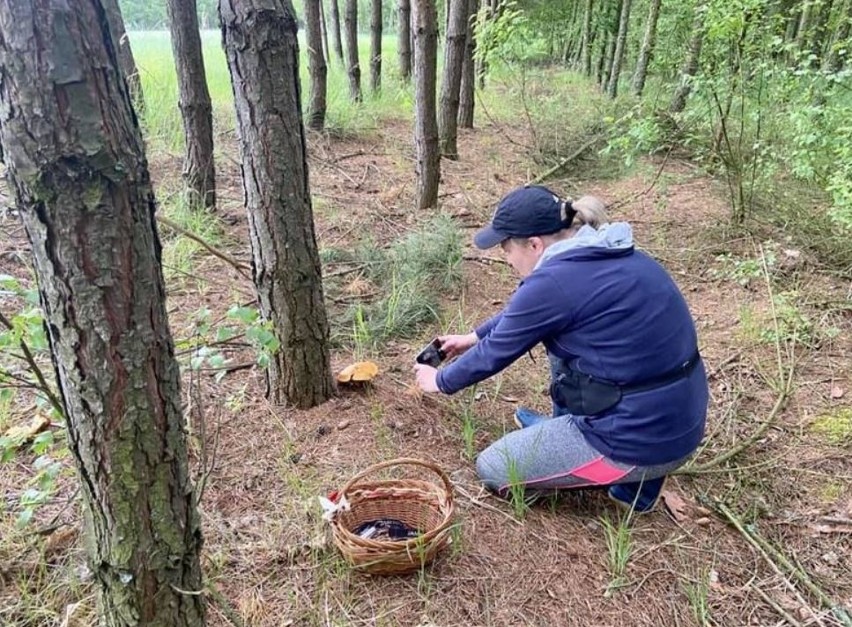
x=240, y=267
x=632, y=197
x=566, y=161
x=224, y=605
x=485, y=260
x=772, y=603
x=776, y=560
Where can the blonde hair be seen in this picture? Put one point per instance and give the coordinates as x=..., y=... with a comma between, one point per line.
x=590, y=210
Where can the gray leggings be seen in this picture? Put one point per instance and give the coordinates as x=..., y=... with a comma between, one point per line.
x=555, y=454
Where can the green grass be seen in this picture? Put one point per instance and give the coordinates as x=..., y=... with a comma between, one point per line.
x=619, y=544
x=179, y=251
x=161, y=116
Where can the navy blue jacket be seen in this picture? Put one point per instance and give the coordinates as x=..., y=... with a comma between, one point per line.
x=615, y=314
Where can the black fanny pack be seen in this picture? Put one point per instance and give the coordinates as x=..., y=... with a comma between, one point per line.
x=584, y=395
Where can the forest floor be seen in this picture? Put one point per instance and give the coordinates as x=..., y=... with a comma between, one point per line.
x=573, y=560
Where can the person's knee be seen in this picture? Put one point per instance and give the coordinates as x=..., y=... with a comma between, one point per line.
x=492, y=469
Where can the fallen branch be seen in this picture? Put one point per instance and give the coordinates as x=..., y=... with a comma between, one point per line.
x=240, y=267
x=776, y=559
x=774, y=605
x=485, y=260
x=566, y=161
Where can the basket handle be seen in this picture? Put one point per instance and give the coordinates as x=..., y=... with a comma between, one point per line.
x=401, y=461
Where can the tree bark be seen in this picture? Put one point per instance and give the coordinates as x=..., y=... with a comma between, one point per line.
x=690, y=65
x=451, y=84
x=647, y=48
x=376, y=46
x=350, y=35
x=326, y=51
x=586, y=54
x=620, y=47
x=125, y=54
x=75, y=160
x=337, y=42
x=259, y=37
x=482, y=66
x=194, y=102
x=425, y=27
x=467, y=91
x=404, y=39
x=317, y=69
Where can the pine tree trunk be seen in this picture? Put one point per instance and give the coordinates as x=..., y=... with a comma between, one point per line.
x=482, y=66
x=620, y=47
x=451, y=83
x=317, y=69
x=404, y=39
x=350, y=34
x=125, y=54
x=690, y=64
x=647, y=48
x=194, y=101
x=75, y=160
x=376, y=46
x=259, y=37
x=586, y=54
x=467, y=91
x=335, y=31
x=425, y=27
x=326, y=51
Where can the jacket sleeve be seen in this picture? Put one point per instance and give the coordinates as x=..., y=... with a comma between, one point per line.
x=486, y=327
x=538, y=309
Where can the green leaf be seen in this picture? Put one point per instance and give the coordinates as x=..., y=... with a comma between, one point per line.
x=243, y=314
x=225, y=333
x=42, y=442
x=24, y=517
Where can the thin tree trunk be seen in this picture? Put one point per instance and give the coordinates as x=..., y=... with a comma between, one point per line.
x=404, y=39
x=482, y=67
x=451, y=84
x=335, y=31
x=834, y=61
x=425, y=27
x=125, y=54
x=620, y=47
x=75, y=160
x=317, y=69
x=326, y=51
x=467, y=95
x=691, y=63
x=586, y=54
x=647, y=48
x=350, y=34
x=194, y=101
x=376, y=46
x=816, y=38
x=259, y=37
x=802, y=29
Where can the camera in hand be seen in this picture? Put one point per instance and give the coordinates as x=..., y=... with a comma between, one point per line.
x=431, y=355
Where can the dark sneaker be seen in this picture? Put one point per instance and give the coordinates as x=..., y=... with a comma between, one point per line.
x=641, y=496
x=525, y=417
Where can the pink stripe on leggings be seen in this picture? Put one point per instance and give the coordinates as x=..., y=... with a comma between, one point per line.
x=596, y=472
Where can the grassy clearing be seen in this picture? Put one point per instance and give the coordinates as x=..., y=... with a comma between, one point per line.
x=161, y=117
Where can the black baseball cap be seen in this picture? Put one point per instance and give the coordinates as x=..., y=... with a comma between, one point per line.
x=525, y=212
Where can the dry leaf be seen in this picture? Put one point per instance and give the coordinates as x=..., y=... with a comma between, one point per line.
x=23, y=435
x=60, y=540
x=358, y=372
x=837, y=392
x=675, y=504
x=510, y=399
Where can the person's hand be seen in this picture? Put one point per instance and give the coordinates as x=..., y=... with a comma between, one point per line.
x=426, y=378
x=454, y=345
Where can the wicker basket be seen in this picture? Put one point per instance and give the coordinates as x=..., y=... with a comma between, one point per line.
x=423, y=505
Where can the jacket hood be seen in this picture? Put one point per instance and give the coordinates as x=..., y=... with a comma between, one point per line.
x=609, y=240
